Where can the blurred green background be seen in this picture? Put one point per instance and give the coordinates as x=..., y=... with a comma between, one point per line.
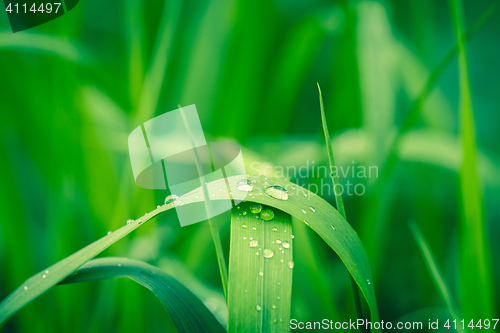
x=72, y=90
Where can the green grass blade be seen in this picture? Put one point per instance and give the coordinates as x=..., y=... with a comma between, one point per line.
x=260, y=288
x=49, y=277
x=338, y=195
x=416, y=108
x=155, y=76
x=188, y=313
x=320, y=216
x=333, y=168
x=435, y=272
x=208, y=207
x=477, y=290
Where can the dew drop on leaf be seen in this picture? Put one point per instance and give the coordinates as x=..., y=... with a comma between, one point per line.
x=256, y=208
x=312, y=209
x=267, y=214
x=276, y=192
x=286, y=245
x=253, y=243
x=268, y=253
x=244, y=185
x=257, y=307
x=170, y=199
x=290, y=264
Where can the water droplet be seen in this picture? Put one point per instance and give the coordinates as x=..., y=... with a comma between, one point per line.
x=119, y=265
x=109, y=233
x=290, y=264
x=274, y=306
x=293, y=236
x=261, y=273
x=286, y=245
x=268, y=253
x=278, y=297
x=244, y=213
x=244, y=226
x=368, y=281
x=275, y=321
x=257, y=307
x=139, y=221
x=306, y=222
x=257, y=253
x=282, y=260
x=278, y=241
x=129, y=221
x=158, y=207
x=244, y=185
x=170, y=199
x=47, y=271
x=333, y=227
x=25, y=287
x=312, y=209
x=304, y=211
x=256, y=208
x=275, y=229
x=238, y=207
x=253, y=243
x=267, y=214
x=44, y=276
x=254, y=228
x=276, y=192
x=244, y=238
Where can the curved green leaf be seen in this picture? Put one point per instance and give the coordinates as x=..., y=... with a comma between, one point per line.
x=188, y=313
x=320, y=216
x=49, y=277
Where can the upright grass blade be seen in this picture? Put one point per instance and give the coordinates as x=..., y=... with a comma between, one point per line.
x=374, y=230
x=260, y=267
x=331, y=159
x=435, y=273
x=208, y=207
x=338, y=195
x=416, y=109
x=188, y=313
x=477, y=290
x=153, y=80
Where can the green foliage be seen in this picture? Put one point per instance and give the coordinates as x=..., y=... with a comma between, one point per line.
x=260, y=271
x=74, y=88
x=186, y=310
